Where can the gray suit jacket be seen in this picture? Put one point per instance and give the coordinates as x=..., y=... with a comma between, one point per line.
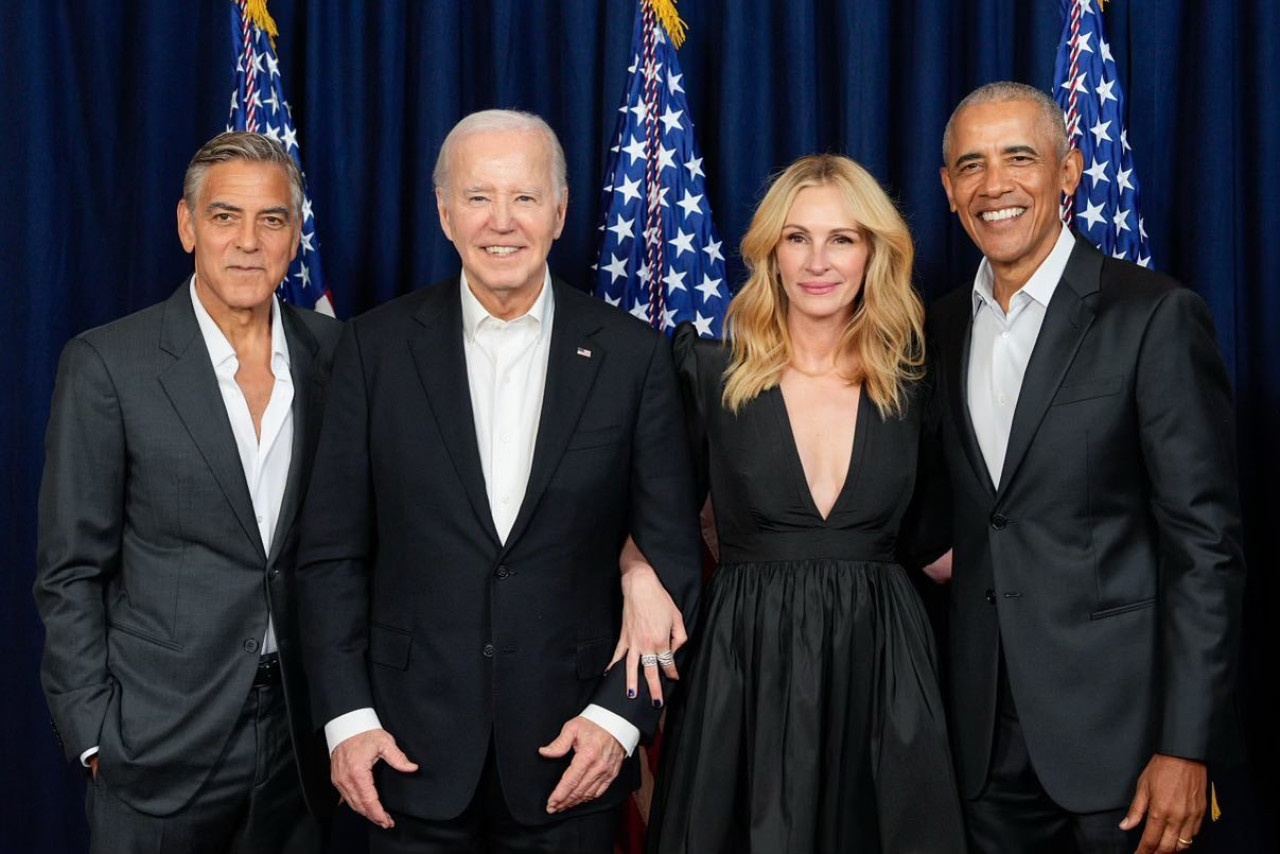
x=152, y=580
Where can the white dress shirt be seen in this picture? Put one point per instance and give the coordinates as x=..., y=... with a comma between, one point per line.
x=265, y=460
x=1000, y=347
x=506, y=375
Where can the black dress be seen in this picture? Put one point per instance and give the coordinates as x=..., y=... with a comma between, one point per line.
x=812, y=720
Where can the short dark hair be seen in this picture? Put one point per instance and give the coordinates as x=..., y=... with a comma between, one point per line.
x=1003, y=91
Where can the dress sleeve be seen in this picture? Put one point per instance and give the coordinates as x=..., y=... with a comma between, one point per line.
x=685, y=345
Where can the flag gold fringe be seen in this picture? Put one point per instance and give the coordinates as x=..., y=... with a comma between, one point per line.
x=1214, y=810
x=256, y=12
x=670, y=19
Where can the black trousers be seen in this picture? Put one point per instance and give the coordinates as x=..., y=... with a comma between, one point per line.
x=251, y=803
x=486, y=826
x=1015, y=814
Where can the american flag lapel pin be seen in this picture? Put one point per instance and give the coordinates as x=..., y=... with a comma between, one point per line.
x=584, y=352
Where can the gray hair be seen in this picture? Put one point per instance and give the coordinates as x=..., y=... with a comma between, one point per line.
x=1004, y=91
x=503, y=121
x=241, y=145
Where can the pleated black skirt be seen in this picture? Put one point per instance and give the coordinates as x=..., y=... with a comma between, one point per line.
x=812, y=720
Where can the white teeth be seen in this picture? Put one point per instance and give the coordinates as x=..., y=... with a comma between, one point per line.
x=500, y=250
x=1003, y=213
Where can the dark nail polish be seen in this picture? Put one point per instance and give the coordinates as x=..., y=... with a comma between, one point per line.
x=631, y=693
x=657, y=704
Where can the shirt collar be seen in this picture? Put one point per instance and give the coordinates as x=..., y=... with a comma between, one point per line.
x=220, y=350
x=474, y=314
x=1041, y=285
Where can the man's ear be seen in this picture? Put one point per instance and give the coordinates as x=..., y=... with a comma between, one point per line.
x=443, y=210
x=186, y=227
x=1072, y=170
x=946, y=185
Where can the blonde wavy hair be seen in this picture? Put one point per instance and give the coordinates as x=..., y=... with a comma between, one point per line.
x=885, y=335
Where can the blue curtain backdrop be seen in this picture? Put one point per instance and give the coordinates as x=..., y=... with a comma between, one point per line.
x=105, y=102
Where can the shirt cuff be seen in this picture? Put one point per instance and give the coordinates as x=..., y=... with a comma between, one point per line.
x=614, y=724
x=84, y=757
x=343, y=727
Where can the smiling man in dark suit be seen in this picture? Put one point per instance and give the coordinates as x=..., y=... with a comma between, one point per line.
x=490, y=442
x=1086, y=426
x=178, y=451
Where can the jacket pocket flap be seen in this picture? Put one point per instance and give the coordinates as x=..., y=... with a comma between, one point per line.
x=1122, y=609
x=1088, y=389
x=595, y=438
x=389, y=646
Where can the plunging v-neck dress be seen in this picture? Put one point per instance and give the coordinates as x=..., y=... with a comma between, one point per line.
x=812, y=719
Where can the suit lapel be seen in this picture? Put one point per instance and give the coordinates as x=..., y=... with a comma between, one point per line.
x=958, y=339
x=442, y=368
x=1066, y=320
x=192, y=388
x=570, y=376
x=307, y=395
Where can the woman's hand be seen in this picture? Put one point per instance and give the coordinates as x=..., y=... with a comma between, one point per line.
x=651, y=623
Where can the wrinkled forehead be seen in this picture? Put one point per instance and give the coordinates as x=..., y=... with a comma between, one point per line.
x=1000, y=125
x=518, y=158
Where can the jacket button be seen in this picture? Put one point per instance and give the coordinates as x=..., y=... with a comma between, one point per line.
x=488, y=650
x=991, y=597
x=250, y=645
x=501, y=572
x=273, y=574
x=998, y=521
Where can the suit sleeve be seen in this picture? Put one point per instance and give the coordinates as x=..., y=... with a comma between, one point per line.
x=81, y=519
x=1187, y=434
x=336, y=545
x=663, y=516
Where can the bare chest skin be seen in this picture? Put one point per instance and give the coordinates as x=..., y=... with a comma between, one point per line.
x=256, y=383
x=823, y=412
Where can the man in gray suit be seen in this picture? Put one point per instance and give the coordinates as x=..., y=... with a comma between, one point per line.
x=179, y=447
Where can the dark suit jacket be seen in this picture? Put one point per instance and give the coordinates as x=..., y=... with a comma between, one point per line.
x=152, y=580
x=1107, y=562
x=412, y=605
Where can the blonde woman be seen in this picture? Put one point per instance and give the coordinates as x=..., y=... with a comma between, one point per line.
x=813, y=720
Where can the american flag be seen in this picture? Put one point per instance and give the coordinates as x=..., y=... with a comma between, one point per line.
x=258, y=106
x=1086, y=85
x=660, y=257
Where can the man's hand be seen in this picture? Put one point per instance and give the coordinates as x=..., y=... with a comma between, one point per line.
x=940, y=570
x=351, y=769
x=93, y=766
x=597, y=758
x=1171, y=793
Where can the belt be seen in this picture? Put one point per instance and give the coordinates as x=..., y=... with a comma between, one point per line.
x=268, y=670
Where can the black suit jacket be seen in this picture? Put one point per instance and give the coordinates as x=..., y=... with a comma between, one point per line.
x=1107, y=562
x=414, y=607
x=152, y=579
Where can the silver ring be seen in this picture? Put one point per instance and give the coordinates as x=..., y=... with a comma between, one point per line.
x=648, y=659
x=666, y=658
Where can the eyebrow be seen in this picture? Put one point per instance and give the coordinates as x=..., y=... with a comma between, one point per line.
x=1020, y=148
x=852, y=229
x=227, y=206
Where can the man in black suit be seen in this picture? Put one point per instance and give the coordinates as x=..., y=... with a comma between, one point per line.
x=178, y=451
x=1086, y=426
x=489, y=443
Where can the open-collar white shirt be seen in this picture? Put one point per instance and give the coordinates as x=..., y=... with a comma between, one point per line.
x=1000, y=347
x=507, y=376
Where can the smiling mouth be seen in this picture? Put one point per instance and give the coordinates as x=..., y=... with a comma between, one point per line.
x=501, y=251
x=1002, y=214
